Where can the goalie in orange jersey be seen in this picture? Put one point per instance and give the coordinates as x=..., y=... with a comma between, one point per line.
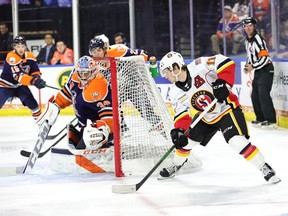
x=99, y=47
x=89, y=93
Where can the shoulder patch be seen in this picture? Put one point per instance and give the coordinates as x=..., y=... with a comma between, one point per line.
x=13, y=59
x=198, y=61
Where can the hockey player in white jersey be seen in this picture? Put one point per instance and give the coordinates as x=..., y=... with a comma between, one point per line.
x=195, y=86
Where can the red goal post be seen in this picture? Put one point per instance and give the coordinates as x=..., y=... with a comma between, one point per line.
x=141, y=119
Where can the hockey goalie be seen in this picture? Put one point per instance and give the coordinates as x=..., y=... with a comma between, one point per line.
x=90, y=95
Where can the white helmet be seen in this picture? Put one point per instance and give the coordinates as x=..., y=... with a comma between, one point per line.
x=168, y=60
x=105, y=39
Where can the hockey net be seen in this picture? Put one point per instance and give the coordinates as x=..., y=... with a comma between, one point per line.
x=142, y=121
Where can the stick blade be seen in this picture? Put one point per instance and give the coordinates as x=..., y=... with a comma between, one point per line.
x=10, y=171
x=124, y=189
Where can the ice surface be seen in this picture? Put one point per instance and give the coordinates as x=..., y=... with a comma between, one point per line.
x=227, y=184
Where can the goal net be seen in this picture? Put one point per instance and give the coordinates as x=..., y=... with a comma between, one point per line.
x=142, y=122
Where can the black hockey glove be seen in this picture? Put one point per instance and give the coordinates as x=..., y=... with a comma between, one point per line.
x=38, y=82
x=220, y=90
x=178, y=138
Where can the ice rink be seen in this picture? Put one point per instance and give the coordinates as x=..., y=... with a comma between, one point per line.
x=227, y=184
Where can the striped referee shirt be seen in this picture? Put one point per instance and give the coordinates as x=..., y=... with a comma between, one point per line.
x=257, y=52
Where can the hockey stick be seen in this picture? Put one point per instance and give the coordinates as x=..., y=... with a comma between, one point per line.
x=49, y=137
x=52, y=87
x=39, y=144
x=123, y=189
x=10, y=171
x=41, y=154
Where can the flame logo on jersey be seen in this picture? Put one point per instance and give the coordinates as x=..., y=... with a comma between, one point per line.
x=201, y=99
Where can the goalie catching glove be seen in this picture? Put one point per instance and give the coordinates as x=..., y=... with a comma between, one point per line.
x=50, y=113
x=95, y=135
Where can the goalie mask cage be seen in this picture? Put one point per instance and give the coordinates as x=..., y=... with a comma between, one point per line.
x=142, y=122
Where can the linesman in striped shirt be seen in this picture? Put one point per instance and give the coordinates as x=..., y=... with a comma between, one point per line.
x=259, y=61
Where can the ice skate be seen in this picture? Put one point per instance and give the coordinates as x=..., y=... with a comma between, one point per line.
x=269, y=125
x=269, y=174
x=256, y=123
x=170, y=172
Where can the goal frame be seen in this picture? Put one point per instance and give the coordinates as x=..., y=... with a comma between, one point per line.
x=115, y=112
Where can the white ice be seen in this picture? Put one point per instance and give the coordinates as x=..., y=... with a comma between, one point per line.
x=227, y=184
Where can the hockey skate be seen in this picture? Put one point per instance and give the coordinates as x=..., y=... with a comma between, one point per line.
x=269, y=174
x=269, y=125
x=170, y=172
x=256, y=123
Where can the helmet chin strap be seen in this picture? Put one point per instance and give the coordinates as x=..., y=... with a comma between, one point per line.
x=176, y=75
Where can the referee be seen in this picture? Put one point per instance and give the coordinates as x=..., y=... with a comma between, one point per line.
x=259, y=61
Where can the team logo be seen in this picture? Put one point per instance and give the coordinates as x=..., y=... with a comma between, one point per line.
x=12, y=60
x=63, y=77
x=201, y=99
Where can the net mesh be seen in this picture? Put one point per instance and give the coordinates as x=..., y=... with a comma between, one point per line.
x=145, y=121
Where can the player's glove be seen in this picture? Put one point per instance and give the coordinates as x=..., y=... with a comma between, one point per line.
x=95, y=135
x=220, y=90
x=178, y=138
x=38, y=82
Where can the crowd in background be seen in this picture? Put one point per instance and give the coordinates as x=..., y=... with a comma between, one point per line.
x=234, y=12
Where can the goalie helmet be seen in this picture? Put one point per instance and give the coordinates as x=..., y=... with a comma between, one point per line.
x=85, y=68
x=19, y=39
x=168, y=60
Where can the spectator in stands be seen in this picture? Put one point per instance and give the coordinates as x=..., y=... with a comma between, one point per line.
x=241, y=9
x=6, y=41
x=284, y=35
x=119, y=38
x=63, y=54
x=261, y=10
x=46, y=53
x=233, y=36
x=283, y=40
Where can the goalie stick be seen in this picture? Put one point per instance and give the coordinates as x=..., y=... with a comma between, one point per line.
x=49, y=137
x=39, y=144
x=123, y=189
x=10, y=171
x=41, y=154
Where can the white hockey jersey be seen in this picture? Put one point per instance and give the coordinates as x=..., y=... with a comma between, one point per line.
x=198, y=93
